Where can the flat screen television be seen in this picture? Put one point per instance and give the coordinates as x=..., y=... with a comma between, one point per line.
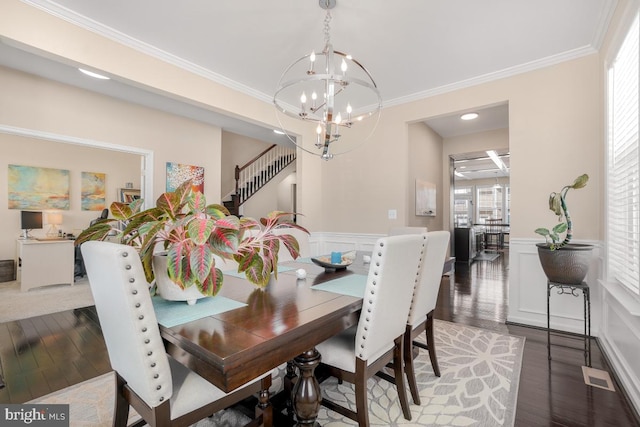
x=30, y=220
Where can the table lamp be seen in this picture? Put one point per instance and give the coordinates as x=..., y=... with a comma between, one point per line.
x=54, y=220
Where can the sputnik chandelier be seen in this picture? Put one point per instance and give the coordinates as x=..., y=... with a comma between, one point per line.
x=332, y=90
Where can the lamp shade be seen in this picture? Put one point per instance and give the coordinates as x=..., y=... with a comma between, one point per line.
x=54, y=218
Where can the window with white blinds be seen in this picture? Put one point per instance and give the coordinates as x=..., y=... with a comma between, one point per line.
x=623, y=169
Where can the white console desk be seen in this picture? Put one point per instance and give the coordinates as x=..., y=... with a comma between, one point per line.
x=44, y=262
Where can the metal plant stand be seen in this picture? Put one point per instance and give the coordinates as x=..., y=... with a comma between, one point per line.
x=565, y=289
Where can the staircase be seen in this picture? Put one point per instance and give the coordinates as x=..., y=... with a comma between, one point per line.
x=257, y=173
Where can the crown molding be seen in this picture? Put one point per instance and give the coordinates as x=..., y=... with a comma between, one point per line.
x=608, y=8
x=81, y=21
x=498, y=75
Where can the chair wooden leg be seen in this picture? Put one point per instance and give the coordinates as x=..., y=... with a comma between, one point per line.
x=408, y=366
x=398, y=355
x=431, y=344
x=362, y=406
x=121, y=406
x=264, y=408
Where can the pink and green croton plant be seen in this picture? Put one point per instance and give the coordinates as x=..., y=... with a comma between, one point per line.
x=192, y=232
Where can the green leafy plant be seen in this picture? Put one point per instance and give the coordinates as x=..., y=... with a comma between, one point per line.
x=193, y=233
x=558, y=204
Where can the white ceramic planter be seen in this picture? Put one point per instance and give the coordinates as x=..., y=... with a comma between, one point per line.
x=168, y=289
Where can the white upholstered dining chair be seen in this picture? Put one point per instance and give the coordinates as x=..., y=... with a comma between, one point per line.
x=357, y=353
x=303, y=242
x=398, y=231
x=163, y=391
x=422, y=306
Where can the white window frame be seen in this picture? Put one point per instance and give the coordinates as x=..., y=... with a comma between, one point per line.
x=619, y=288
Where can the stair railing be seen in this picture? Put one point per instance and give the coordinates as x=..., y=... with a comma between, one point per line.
x=261, y=169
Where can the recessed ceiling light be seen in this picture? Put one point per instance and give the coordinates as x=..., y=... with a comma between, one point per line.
x=92, y=74
x=279, y=132
x=469, y=116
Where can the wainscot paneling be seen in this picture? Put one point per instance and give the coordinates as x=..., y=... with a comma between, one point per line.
x=620, y=337
x=528, y=291
x=322, y=243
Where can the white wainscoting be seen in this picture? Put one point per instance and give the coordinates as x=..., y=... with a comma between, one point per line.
x=322, y=243
x=528, y=291
x=615, y=315
x=620, y=337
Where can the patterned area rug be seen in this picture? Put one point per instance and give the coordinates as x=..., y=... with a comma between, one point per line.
x=479, y=387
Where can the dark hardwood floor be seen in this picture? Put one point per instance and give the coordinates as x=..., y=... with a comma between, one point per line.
x=46, y=353
x=551, y=393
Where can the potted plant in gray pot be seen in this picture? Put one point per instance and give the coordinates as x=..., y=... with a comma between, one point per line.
x=181, y=240
x=562, y=261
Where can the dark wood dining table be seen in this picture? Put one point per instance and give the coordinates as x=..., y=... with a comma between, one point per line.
x=280, y=324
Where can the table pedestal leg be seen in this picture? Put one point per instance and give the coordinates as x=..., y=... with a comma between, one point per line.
x=289, y=381
x=306, y=392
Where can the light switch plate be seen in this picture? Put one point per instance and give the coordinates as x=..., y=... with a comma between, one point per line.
x=393, y=214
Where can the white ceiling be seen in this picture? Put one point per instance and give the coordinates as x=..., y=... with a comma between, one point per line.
x=413, y=48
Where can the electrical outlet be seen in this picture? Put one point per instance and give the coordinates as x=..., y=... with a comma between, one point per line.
x=393, y=214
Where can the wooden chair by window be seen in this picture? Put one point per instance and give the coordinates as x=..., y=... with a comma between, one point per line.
x=163, y=391
x=493, y=234
x=357, y=353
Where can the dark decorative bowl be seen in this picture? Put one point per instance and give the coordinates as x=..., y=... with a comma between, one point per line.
x=325, y=261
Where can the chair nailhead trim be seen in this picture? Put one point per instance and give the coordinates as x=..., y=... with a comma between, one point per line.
x=156, y=376
x=137, y=305
x=161, y=398
x=134, y=292
x=141, y=317
x=144, y=329
x=153, y=365
x=147, y=341
x=125, y=254
x=158, y=387
x=132, y=280
x=127, y=267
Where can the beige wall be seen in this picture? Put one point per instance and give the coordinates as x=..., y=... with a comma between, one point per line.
x=29, y=102
x=268, y=199
x=36, y=30
x=236, y=150
x=118, y=167
x=555, y=134
x=425, y=151
x=553, y=112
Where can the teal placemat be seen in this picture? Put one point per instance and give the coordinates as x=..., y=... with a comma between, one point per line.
x=173, y=313
x=352, y=285
x=281, y=269
x=306, y=260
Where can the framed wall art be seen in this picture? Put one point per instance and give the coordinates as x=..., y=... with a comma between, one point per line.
x=92, y=191
x=425, y=198
x=178, y=173
x=38, y=188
